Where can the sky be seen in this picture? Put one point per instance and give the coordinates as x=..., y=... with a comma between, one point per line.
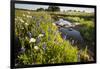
x=34, y=7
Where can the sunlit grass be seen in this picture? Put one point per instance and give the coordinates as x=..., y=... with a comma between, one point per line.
x=41, y=42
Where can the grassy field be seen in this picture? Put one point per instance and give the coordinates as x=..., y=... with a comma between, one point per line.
x=38, y=40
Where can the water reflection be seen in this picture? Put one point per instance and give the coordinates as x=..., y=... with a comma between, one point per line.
x=67, y=32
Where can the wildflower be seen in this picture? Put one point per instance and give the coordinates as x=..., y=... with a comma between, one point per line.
x=32, y=40
x=28, y=12
x=53, y=24
x=29, y=34
x=43, y=32
x=22, y=20
x=26, y=38
x=36, y=47
x=77, y=23
x=23, y=49
x=29, y=16
x=40, y=35
x=24, y=15
x=44, y=46
x=15, y=19
x=26, y=24
x=22, y=28
x=37, y=40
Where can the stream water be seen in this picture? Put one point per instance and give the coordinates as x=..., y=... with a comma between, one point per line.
x=69, y=32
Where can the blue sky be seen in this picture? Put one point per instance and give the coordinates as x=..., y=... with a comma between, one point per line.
x=34, y=7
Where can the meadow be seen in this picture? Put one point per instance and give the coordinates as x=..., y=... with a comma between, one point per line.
x=38, y=40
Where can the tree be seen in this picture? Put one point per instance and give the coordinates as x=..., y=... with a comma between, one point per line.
x=53, y=8
x=84, y=11
x=69, y=10
x=75, y=10
x=46, y=10
x=78, y=11
x=40, y=9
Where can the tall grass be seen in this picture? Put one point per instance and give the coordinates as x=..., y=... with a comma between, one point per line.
x=40, y=40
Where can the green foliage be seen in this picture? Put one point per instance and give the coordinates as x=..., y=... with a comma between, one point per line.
x=44, y=45
x=88, y=31
x=53, y=8
x=40, y=9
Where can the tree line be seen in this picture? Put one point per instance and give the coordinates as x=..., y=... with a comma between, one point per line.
x=50, y=8
x=53, y=8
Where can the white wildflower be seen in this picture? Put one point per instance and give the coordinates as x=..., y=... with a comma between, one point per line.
x=15, y=19
x=36, y=47
x=53, y=24
x=24, y=15
x=28, y=16
x=26, y=24
x=32, y=40
x=28, y=12
x=40, y=35
x=77, y=23
x=22, y=28
x=22, y=20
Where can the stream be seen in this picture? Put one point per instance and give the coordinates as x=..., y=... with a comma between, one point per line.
x=68, y=32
